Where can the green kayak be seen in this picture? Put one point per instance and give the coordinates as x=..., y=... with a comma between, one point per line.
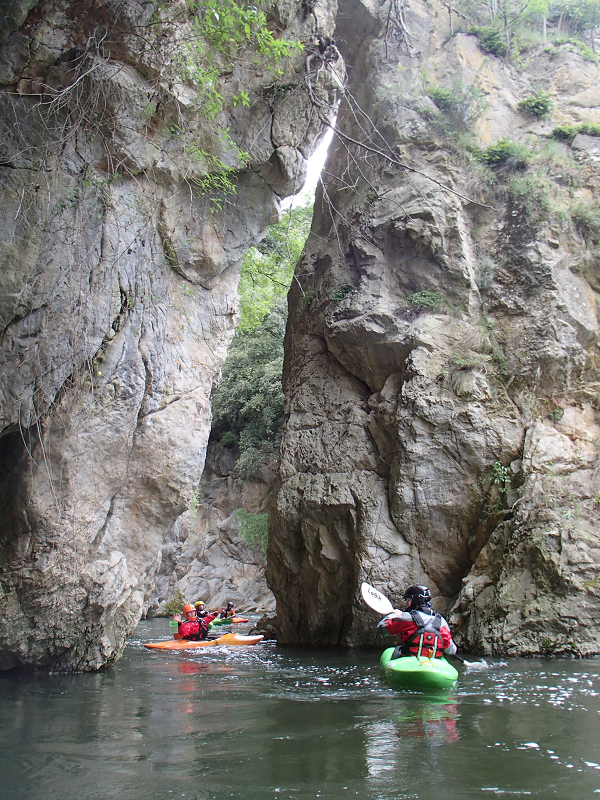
x=419, y=674
x=226, y=621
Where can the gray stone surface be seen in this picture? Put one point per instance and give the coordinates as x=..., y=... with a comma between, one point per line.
x=118, y=301
x=454, y=441
x=204, y=556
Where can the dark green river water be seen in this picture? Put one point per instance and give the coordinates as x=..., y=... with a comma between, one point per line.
x=266, y=723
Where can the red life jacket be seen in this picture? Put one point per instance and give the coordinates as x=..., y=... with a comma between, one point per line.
x=195, y=628
x=426, y=641
x=190, y=629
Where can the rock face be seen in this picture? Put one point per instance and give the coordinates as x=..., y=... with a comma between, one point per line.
x=132, y=185
x=441, y=359
x=204, y=556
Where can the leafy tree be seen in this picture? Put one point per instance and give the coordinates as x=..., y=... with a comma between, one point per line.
x=253, y=528
x=576, y=16
x=502, y=19
x=249, y=402
x=248, y=405
x=268, y=268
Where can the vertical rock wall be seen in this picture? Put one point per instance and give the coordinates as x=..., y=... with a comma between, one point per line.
x=204, y=557
x=120, y=258
x=441, y=359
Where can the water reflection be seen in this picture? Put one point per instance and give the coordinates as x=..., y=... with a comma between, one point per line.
x=266, y=724
x=434, y=721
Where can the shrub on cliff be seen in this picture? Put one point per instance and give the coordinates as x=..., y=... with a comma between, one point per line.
x=490, y=40
x=505, y=153
x=538, y=104
x=253, y=528
x=568, y=132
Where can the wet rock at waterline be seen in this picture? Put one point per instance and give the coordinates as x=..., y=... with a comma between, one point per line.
x=121, y=231
x=441, y=362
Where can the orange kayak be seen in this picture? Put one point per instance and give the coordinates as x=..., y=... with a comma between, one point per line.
x=182, y=644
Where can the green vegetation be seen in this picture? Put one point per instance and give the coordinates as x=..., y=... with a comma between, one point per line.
x=426, y=301
x=531, y=192
x=586, y=218
x=508, y=28
x=194, y=504
x=253, y=528
x=223, y=33
x=577, y=46
x=444, y=98
x=341, y=292
x=175, y=604
x=267, y=269
x=505, y=153
x=568, y=132
x=248, y=405
x=461, y=104
x=491, y=40
x=538, y=104
x=225, y=30
x=501, y=476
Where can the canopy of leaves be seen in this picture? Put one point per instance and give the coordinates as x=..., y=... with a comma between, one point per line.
x=499, y=24
x=249, y=401
x=267, y=269
x=248, y=405
x=253, y=528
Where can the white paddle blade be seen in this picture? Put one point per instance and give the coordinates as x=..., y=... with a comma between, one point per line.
x=375, y=600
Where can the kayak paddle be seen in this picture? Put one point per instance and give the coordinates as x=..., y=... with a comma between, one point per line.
x=379, y=602
x=375, y=600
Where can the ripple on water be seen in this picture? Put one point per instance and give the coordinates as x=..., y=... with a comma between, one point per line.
x=268, y=723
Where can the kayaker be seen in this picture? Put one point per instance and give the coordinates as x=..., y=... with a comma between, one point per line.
x=423, y=631
x=191, y=627
x=200, y=610
x=227, y=612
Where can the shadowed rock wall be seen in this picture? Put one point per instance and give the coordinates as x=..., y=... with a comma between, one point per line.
x=441, y=357
x=203, y=556
x=120, y=259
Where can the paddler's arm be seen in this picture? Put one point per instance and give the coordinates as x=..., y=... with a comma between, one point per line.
x=382, y=625
x=447, y=642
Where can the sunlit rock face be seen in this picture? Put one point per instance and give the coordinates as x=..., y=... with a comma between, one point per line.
x=441, y=358
x=118, y=297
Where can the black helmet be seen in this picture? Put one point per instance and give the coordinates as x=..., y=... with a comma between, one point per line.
x=419, y=594
x=230, y=604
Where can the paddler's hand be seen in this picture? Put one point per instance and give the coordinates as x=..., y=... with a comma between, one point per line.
x=177, y=617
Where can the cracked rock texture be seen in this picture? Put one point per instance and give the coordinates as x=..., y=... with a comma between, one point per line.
x=441, y=371
x=203, y=556
x=118, y=299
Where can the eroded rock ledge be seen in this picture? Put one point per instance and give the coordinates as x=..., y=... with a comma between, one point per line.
x=120, y=252
x=441, y=367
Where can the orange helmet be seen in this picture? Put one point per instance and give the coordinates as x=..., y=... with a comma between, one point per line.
x=188, y=609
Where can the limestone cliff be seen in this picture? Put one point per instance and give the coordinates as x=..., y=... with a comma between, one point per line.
x=204, y=556
x=441, y=371
x=139, y=159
